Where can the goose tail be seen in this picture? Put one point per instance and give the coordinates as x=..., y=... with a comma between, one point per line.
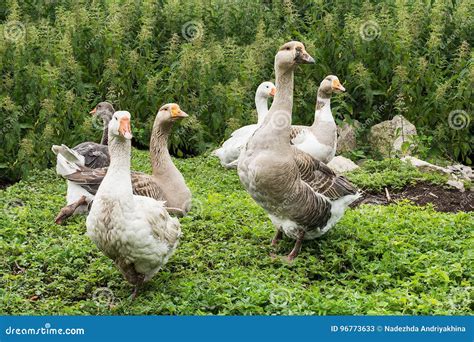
x=65, y=167
x=69, y=154
x=68, y=161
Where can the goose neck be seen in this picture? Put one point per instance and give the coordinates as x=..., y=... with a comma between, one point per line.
x=159, y=154
x=117, y=183
x=261, y=104
x=120, y=150
x=284, y=95
x=105, y=133
x=323, y=108
x=278, y=120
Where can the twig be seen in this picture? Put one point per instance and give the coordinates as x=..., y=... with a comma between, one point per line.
x=19, y=268
x=387, y=194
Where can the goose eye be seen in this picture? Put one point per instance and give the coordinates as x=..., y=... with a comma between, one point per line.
x=288, y=48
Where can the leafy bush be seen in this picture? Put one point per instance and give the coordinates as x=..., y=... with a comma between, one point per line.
x=58, y=58
x=391, y=173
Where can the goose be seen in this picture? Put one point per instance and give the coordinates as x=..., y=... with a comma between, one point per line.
x=302, y=196
x=166, y=182
x=230, y=150
x=95, y=155
x=320, y=139
x=136, y=232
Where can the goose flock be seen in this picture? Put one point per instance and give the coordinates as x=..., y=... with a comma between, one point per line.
x=132, y=217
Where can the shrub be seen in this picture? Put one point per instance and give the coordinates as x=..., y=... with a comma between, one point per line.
x=58, y=58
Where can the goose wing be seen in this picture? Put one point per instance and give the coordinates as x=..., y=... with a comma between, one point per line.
x=95, y=155
x=321, y=178
x=163, y=227
x=295, y=131
x=88, y=178
x=142, y=184
x=145, y=185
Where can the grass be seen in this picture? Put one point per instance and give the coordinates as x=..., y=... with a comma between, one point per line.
x=392, y=173
x=398, y=259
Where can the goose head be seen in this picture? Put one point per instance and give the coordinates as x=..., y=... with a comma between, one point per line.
x=331, y=84
x=119, y=125
x=170, y=112
x=291, y=54
x=103, y=110
x=266, y=90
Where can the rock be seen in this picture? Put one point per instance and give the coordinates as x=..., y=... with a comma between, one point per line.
x=424, y=166
x=388, y=136
x=462, y=171
x=456, y=184
x=341, y=164
x=346, y=137
x=455, y=172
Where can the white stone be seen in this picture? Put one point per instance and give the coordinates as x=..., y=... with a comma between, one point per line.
x=424, y=166
x=341, y=164
x=456, y=184
x=346, y=137
x=388, y=136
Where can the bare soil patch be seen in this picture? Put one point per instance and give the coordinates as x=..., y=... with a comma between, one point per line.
x=443, y=199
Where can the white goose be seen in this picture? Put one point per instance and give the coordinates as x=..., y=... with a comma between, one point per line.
x=320, y=139
x=230, y=150
x=136, y=232
x=302, y=196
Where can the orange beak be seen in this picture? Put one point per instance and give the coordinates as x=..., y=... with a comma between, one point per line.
x=176, y=112
x=337, y=85
x=124, y=128
x=273, y=91
x=92, y=112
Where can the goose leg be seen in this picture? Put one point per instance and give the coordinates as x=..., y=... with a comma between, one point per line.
x=297, y=248
x=139, y=283
x=135, y=292
x=68, y=210
x=277, y=237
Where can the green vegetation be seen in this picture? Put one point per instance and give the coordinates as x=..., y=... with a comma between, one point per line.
x=398, y=259
x=58, y=58
x=392, y=174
